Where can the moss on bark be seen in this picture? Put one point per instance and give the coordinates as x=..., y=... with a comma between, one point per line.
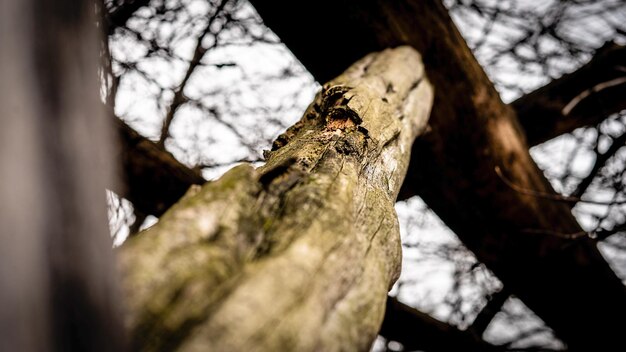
x=298, y=254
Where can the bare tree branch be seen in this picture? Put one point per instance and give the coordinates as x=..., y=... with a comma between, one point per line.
x=486, y=315
x=572, y=101
x=121, y=13
x=419, y=331
x=154, y=179
x=601, y=159
x=198, y=54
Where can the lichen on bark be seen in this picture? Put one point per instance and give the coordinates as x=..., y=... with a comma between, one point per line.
x=299, y=253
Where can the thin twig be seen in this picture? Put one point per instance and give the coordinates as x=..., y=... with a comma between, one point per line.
x=179, y=95
x=550, y=196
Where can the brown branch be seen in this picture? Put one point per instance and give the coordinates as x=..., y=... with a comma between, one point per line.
x=581, y=98
x=551, y=196
x=153, y=179
x=603, y=234
x=122, y=13
x=601, y=160
x=419, y=331
x=489, y=311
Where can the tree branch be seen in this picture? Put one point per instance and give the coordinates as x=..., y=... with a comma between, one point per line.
x=120, y=14
x=601, y=160
x=298, y=254
x=179, y=93
x=419, y=331
x=153, y=179
x=582, y=98
x=489, y=311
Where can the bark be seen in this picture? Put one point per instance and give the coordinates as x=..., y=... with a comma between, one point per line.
x=458, y=167
x=298, y=254
x=57, y=288
x=419, y=331
x=153, y=179
x=582, y=98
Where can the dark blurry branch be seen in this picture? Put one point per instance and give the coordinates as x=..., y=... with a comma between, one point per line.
x=524, y=335
x=593, y=90
x=489, y=311
x=602, y=234
x=552, y=196
x=534, y=349
x=153, y=179
x=198, y=54
x=419, y=331
x=571, y=101
x=601, y=160
x=140, y=217
x=120, y=14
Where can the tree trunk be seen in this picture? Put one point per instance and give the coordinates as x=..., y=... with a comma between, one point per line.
x=300, y=253
x=464, y=167
x=57, y=288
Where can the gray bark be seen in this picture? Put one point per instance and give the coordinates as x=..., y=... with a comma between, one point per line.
x=298, y=254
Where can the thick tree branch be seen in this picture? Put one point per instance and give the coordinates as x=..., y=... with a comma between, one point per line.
x=453, y=166
x=582, y=98
x=489, y=311
x=153, y=179
x=300, y=253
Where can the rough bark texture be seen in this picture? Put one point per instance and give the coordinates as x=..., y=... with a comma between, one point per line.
x=153, y=179
x=454, y=168
x=582, y=98
x=300, y=253
x=57, y=288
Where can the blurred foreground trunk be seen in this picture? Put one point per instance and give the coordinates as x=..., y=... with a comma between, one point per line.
x=298, y=254
x=57, y=288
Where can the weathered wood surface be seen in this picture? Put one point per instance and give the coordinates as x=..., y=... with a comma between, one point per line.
x=298, y=254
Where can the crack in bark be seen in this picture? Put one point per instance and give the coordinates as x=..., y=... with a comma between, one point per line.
x=297, y=247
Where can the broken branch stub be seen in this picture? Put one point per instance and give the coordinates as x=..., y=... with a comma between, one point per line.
x=298, y=254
